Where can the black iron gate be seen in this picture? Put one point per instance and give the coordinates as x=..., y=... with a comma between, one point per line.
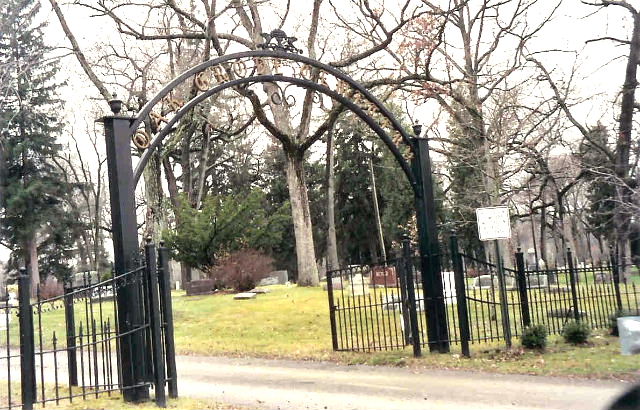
x=382, y=306
x=66, y=347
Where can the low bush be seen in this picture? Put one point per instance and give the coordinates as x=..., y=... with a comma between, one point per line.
x=534, y=337
x=576, y=332
x=242, y=270
x=51, y=288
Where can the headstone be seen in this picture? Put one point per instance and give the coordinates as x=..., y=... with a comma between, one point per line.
x=358, y=285
x=82, y=279
x=537, y=281
x=392, y=301
x=199, y=287
x=244, y=296
x=260, y=290
x=485, y=282
x=557, y=289
x=449, y=287
x=629, y=328
x=336, y=284
x=383, y=276
x=277, y=277
x=509, y=283
x=603, y=278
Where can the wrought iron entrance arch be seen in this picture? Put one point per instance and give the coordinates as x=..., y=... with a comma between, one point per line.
x=238, y=70
x=236, y=65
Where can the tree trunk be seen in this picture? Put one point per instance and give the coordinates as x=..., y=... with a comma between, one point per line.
x=305, y=252
x=332, y=246
x=623, y=143
x=31, y=261
x=155, y=221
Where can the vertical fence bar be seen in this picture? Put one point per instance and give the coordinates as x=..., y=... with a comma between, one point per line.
x=154, y=316
x=411, y=298
x=167, y=306
x=522, y=288
x=27, y=344
x=70, y=322
x=332, y=309
x=461, y=296
x=616, y=278
x=574, y=286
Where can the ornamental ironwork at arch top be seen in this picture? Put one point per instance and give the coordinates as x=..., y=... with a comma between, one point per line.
x=277, y=62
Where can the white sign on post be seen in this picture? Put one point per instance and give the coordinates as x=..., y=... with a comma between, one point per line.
x=493, y=223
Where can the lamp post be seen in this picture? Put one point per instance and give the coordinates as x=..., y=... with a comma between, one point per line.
x=434, y=303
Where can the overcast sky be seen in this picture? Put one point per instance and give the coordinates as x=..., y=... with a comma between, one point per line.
x=600, y=70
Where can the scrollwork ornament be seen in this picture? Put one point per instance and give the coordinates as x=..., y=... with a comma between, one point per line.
x=141, y=139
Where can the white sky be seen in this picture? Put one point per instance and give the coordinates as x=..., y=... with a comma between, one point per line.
x=574, y=24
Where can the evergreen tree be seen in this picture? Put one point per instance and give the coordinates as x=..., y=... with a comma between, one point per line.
x=467, y=188
x=32, y=186
x=355, y=219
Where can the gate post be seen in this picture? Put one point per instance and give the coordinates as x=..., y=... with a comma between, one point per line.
x=27, y=343
x=574, y=286
x=411, y=297
x=70, y=322
x=435, y=307
x=125, y=248
x=461, y=296
x=522, y=289
x=167, y=315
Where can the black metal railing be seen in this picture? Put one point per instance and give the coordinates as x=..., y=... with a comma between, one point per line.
x=69, y=344
x=385, y=306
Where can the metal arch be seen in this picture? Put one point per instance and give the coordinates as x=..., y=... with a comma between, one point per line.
x=273, y=78
x=146, y=110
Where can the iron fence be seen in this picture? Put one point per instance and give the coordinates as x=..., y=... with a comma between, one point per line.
x=386, y=306
x=68, y=346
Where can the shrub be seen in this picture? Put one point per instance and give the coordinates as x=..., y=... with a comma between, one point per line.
x=613, y=320
x=242, y=270
x=534, y=337
x=51, y=288
x=576, y=332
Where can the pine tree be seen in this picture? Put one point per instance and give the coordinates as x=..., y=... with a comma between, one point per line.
x=33, y=189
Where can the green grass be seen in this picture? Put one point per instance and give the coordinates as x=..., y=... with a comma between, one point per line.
x=293, y=322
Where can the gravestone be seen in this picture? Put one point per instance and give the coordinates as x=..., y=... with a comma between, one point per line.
x=199, y=287
x=392, y=301
x=485, y=282
x=336, y=283
x=244, y=296
x=383, y=276
x=260, y=290
x=509, y=282
x=603, y=278
x=359, y=285
x=537, y=281
x=557, y=289
x=277, y=277
x=449, y=286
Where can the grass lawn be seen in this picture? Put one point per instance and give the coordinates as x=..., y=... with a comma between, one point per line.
x=292, y=322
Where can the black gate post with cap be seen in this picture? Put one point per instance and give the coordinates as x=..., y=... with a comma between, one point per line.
x=132, y=352
x=434, y=303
